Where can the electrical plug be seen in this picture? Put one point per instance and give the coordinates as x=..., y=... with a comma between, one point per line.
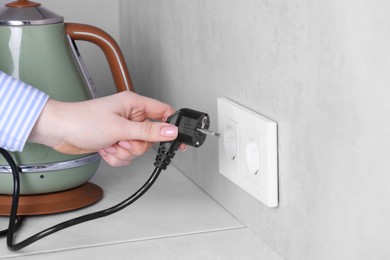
x=193, y=128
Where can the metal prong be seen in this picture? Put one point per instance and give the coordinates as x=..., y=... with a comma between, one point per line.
x=208, y=132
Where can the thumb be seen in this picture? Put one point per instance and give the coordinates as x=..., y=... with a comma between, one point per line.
x=150, y=131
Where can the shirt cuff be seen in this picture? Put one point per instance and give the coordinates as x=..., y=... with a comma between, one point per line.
x=20, y=107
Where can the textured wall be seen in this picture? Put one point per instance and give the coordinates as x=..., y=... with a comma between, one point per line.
x=97, y=13
x=318, y=68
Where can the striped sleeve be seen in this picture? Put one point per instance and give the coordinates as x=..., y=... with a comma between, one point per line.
x=20, y=107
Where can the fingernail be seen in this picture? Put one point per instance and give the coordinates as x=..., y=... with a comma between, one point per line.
x=110, y=149
x=125, y=144
x=183, y=147
x=169, y=131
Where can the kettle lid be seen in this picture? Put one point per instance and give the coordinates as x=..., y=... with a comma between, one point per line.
x=24, y=12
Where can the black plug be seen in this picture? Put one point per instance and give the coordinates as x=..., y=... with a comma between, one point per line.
x=193, y=128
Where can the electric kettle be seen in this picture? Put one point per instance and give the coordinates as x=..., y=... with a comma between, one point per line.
x=37, y=47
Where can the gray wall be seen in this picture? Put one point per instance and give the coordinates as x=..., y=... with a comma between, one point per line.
x=318, y=68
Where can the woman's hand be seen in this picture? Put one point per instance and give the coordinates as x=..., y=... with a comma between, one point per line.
x=117, y=126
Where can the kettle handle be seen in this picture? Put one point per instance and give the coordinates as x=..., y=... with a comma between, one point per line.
x=110, y=49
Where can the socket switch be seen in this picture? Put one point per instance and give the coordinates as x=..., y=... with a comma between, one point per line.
x=248, y=151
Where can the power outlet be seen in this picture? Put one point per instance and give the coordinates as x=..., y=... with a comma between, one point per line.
x=248, y=151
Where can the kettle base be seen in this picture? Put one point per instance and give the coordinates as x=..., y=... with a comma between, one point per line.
x=44, y=204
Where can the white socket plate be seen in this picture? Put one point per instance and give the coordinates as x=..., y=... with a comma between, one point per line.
x=248, y=151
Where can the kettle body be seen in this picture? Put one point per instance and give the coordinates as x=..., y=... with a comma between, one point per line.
x=37, y=47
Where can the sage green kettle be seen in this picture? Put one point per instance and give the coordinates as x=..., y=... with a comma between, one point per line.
x=37, y=47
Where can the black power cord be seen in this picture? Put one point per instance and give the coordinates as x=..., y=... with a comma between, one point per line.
x=13, y=220
x=193, y=126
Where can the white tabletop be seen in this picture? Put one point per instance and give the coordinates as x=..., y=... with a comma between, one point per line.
x=173, y=219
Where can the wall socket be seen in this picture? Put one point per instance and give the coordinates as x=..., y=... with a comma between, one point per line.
x=248, y=151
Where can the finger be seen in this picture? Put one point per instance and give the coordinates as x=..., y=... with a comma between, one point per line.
x=110, y=149
x=135, y=147
x=113, y=161
x=154, y=109
x=120, y=158
x=147, y=131
x=183, y=147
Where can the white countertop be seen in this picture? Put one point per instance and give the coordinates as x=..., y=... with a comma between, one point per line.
x=173, y=220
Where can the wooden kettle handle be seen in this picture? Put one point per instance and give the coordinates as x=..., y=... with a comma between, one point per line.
x=110, y=49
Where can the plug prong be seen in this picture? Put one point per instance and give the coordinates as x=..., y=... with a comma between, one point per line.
x=208, y=132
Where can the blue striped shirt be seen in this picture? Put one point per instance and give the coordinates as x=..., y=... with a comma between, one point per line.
x=20, y=107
